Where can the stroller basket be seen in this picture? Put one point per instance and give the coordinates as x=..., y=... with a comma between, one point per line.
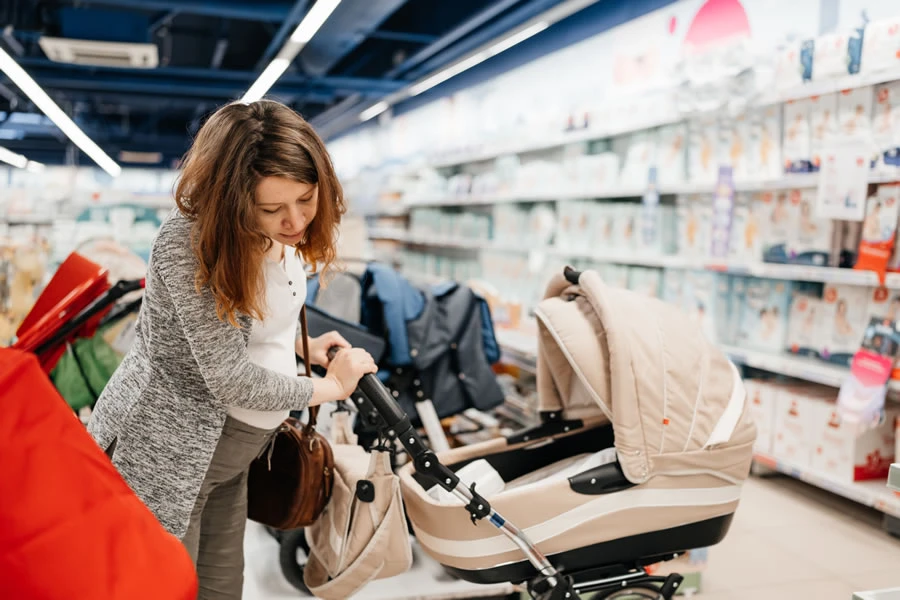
x=590, y=526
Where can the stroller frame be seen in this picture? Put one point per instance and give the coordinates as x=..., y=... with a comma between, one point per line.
x=550, y=583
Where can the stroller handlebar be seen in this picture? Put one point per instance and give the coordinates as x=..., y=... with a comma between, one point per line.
x=372, y=388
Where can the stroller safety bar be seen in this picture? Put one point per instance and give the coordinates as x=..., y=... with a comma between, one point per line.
x=396, y=425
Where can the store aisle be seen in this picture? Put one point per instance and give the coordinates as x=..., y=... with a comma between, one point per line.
x=789, y=541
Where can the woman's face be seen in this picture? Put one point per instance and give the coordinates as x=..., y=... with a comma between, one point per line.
x=285, y=208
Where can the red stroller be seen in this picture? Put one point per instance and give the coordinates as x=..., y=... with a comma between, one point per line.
x=70, y=527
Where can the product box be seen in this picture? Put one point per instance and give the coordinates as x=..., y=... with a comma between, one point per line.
x=625, y=222
x=846, y=454
x=693, y=215
x=843, y=322
x=794, y=425
x=764, y=315
x=762, y=396
x=831, y=56
x=724, y=323
x=797, y=136
x=855, y=112
x=823, y=120
x=673, y=287
x=645, y=280
x=614, y=275
x=702, y=154
x=788, y=68
x=702, y=296
x=765, y=149
x=803, y=336
x=671, y=161
x=881, y=46
x=886, y=127
x=746, y=232
x=810, y=243
x=778, y=218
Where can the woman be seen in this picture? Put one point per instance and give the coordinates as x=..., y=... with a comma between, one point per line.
x=212, y=372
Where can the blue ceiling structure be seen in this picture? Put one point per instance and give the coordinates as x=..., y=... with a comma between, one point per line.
x=210, y=52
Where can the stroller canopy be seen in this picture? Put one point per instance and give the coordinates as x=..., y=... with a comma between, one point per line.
x=676, y=403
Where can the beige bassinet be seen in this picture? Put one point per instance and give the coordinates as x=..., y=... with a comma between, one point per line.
x=615, y=369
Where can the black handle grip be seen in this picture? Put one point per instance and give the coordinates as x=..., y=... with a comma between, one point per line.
x=372, y=388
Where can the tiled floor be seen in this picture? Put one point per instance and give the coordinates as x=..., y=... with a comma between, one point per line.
x=789, y=541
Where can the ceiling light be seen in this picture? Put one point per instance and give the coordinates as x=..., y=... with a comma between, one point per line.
x=11, y=158
x=19, y=161
x=304, y=32
x=313, y=20
x=373, y=111
x=36, y=94
x=266, y=79
x=468, y=63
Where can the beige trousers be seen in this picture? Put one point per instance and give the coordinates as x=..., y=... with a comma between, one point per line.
x=215, y=534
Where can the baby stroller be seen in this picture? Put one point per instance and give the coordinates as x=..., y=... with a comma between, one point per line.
x=61, y=326
x=622, y=376
x=434, y=345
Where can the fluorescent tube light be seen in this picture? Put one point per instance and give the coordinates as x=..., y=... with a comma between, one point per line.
x=36, y=94
x=11, y=158
x=266, y=79
x=35, y=167
x=468, y=63
x=314, y=19
x=373, y=111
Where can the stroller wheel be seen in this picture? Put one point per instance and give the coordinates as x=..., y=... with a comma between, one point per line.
x=636, y=593
x=291, y=541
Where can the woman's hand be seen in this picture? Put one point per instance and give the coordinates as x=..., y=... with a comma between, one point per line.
x=343, y=375
x=319, y=346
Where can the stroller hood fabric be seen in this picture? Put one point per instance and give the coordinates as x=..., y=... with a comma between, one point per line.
x=70, y=527
x=677, y=404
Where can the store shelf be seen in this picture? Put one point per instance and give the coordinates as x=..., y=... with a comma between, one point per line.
x=869, y=493
x=894, y=477
x=547, y=142
x=797, y=181
x=800, y=367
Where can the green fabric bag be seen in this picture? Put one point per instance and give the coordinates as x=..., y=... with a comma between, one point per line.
x=84, y=370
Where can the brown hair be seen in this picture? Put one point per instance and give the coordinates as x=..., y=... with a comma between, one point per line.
x=238, y=146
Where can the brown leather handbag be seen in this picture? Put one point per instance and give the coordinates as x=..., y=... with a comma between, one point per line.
x=290, y=483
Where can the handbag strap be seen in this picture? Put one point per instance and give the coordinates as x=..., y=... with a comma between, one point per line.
x=304, y=333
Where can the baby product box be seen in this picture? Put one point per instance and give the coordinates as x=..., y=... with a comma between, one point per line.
x=855, y=112
x=764, y=315
x=702, y=156
x=702, y=296
x=726, y=326
x=797, y=136
x=843, y=322
x=693, y=215
x=886, y=127
x=645, y=280
x=671, y=159
x=778, y=219
x=762, y=396
x=614, y=275
x=803, y=332
x=794, y=425
x=745, y=245
x=831, y=56
x=881, y=46
x=823, y=120
x=765, y=149
x=673, y=287
x=810, y=243
x=847, y=454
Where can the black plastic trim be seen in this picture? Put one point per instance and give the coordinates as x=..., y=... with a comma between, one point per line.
x=634, y=551
x=604, y=479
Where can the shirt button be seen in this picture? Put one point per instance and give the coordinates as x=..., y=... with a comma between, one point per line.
x=290, y=283
x=295, y=293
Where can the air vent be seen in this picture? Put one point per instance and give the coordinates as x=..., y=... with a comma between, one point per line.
x=101, y=54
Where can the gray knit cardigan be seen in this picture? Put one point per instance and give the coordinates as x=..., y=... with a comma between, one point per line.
x=166, y=404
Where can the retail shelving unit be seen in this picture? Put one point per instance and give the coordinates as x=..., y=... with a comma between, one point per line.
x=894, y=477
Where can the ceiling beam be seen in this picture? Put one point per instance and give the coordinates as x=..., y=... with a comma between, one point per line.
x=41, y=67
x=271, y=11
x=457, y=33
x=403, y=36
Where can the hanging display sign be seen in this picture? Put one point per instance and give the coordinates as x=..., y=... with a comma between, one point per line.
x=844, y=182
